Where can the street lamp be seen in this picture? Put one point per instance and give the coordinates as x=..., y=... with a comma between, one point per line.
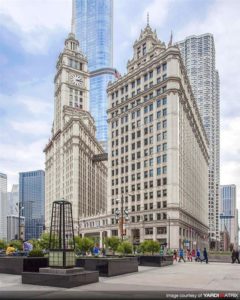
x=20, y=209
x=169, y=220
x=124, y=212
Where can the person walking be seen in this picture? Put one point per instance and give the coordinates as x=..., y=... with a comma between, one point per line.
x=175, y=255
x=193, y=254
x=235, y=256
x=189, y=255
x=181, y=255
x=198, y=255
x=205, y=256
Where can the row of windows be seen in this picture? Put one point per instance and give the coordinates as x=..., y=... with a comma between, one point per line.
x=74, y=64
x=133, y=104
x=159, y=159
x=149, y=151
x=136, y=125
x=146, y=77
x=137, y=187
x=149, y=195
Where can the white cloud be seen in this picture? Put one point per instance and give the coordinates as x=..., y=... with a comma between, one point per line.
x=20, y=158
x=33, y=128
x=35, y=22
x=32, y=15
x=35, y=105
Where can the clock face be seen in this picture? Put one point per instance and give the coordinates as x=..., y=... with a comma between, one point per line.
x=76, y=79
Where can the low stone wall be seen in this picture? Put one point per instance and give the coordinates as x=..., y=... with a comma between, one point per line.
x=17, y=264
x=220, y=258
x=109, y=266
x=155, y=260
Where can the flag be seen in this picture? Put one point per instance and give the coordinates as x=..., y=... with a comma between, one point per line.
x=117, y=74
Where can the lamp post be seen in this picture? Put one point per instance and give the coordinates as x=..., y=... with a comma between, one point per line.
x=169, y=220
x=20, y=209
x=123, y=212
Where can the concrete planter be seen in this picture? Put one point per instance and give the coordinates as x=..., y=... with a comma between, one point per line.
x=155, y=260
x=220, y=258
x=16, y=265
x=109, y=266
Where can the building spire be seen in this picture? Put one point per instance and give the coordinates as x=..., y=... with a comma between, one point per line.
x=171, y=40
x=147, y=18
x=73, y=27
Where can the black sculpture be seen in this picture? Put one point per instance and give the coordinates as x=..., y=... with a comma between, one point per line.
x=61, y=243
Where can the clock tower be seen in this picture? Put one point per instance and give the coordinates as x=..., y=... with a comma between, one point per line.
x=71, y=171
x=71, y=80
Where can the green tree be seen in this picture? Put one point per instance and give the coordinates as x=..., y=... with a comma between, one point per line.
x=45, y=239
x=17, y=244
x=3, y=244
x=112, y=242
x=150, y=246
x=84, y=244
x=125, y=247
x=35, y=243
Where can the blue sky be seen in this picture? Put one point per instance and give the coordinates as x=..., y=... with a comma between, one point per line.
x=32, y=34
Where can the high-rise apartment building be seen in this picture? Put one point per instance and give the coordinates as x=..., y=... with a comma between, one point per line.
x=31, y=202
x=198, y=54
x=3, y=206
x=13, y=227
x=158, y=149
x=13, y=200
x=94, y=30
x=73, y=169
x=229, y=212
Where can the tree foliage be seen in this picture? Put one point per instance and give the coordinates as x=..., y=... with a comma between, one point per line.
x=35, y=243
x=150, y=246
x=17, y=244
x=125, y=247
x=3, y=244
x=84, y=244
x=112, y=243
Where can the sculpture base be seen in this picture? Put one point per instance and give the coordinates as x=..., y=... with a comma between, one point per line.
x=65, y=278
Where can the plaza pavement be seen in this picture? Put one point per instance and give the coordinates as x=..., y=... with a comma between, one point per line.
x=178, y=277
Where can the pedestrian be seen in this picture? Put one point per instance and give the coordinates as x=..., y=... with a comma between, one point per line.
x=189, y=255
x=10, y=250
x=198, y=255
x=193, y=253
x=181, y=254
x=205, y=256
x=237, y=256
x=233, y=256
x=27, y=247
x=175, y=255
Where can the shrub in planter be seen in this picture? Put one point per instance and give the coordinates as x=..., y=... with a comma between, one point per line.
x=3, y=245
x=112, y=243
x=150, y=246
x=84, y=245
x=36, y=253
x=17, y=244
x=124, y=248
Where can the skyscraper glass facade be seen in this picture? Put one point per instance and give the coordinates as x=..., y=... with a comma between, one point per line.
x=229, y=212
x=94, y=20
x=32, y=202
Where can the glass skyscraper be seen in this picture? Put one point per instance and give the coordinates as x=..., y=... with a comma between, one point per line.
x=32, y=202
x=94, y=27
x=229, y=212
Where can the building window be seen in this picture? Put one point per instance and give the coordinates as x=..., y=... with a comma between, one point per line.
x=149, y=231
x=161, y=230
